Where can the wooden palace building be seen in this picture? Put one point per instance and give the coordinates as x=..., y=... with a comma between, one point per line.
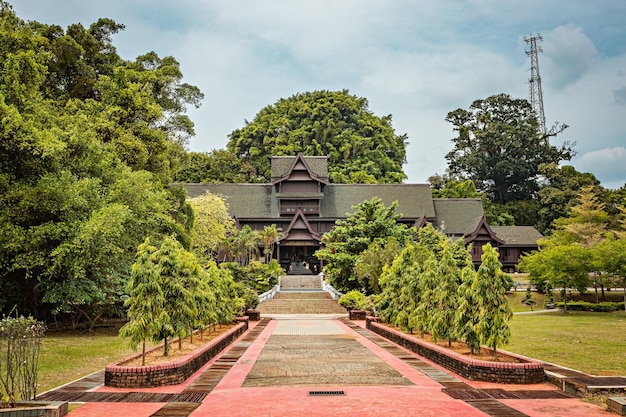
x=304, y=205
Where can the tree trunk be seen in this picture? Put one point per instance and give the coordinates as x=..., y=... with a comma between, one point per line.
x=602, y=289
x=143, y=353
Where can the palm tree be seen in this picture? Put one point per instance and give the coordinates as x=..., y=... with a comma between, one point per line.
x=246, y=244
x=227, y=248
x=270, y=236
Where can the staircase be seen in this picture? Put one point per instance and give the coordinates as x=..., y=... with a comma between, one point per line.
x=301, y=294
x=300, y=283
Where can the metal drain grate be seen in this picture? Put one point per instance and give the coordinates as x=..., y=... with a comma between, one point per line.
x=326, y=393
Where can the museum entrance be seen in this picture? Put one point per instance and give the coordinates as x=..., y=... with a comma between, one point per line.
x=297, y=258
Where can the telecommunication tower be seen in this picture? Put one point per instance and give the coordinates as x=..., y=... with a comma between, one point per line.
x=536, y=96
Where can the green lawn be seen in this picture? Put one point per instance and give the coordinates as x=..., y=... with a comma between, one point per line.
x=594, y=343
x=517, y=298
x=68, y=356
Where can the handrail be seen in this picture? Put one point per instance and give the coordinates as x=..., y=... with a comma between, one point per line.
x=333, y=292
x=268, y=295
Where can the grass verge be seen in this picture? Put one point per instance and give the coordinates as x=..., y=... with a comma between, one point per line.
x=517, y=299
x=593, y=343
x=69, y=355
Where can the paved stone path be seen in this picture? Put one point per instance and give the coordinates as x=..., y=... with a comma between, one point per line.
x=301, y=349
x=318, y=352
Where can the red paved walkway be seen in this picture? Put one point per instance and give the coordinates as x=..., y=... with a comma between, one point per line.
x=425, y=398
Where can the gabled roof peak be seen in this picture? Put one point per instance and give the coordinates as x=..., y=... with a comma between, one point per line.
x=300, y=218
x=299, y=162
x=482, y=225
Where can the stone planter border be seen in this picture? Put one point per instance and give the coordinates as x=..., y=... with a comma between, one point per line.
x=120, y=376
x=36, y=409
x=527, y=371
x=357, y=314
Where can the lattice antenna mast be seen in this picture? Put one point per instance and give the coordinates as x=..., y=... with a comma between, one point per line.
x=536, y=95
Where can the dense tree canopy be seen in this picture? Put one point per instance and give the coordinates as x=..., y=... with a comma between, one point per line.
x=448, y=187
x=559, y=190
x=432, y=287
x=576, y=250
x=217, y=166
x=362, y=147
x=88, y=146
x=501, y=148
x=212, y=224
x=371, y=222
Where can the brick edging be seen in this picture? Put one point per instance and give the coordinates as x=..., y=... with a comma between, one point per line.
x=527, y=371
x=172, y=373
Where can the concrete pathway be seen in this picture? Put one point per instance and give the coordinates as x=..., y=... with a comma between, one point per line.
x=301, y=366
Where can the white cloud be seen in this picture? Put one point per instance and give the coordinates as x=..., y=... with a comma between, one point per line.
x=415, y=60
x=619, y=95
x=568, y=55
x=607, y=163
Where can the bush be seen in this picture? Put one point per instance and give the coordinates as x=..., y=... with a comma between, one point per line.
x=353, y=300
x=604, y=307
x=246, y=297
x=261, y=277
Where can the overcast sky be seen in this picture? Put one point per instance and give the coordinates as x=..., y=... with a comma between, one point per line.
x=414, y=59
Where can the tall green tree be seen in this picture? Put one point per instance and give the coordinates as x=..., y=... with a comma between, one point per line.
x=444, y=295
x=559, y=191
x=610, y=257
x=212, y=223
x=85, y=165
x=587, y=221
x=371, y=222
x=79, y=56
x=489, y=288
x=179, y=272
x=563, y=266
x=221, y=282
x=370, y=263
x=500, y=148
x=146, y=301
x=361, y=146
x=467, y=315
x=217, y=166
x=169, y=295
x=164, y=77
x=246, y=245
x=401, y=289
x=582, y=230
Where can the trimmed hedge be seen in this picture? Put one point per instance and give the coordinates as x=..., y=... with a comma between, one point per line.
x=604, y=307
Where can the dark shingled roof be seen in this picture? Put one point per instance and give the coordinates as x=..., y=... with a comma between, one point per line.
x=258, y=200
x=517, y=235
x=317, y=164
x=458, y=216
x=414, y=200
x=244, y=200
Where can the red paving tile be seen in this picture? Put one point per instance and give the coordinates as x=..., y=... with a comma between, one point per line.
x=558, y=408
x=358, y=401
x=425, y=398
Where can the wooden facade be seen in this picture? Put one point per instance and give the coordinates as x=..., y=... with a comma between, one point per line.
x=304, y=205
